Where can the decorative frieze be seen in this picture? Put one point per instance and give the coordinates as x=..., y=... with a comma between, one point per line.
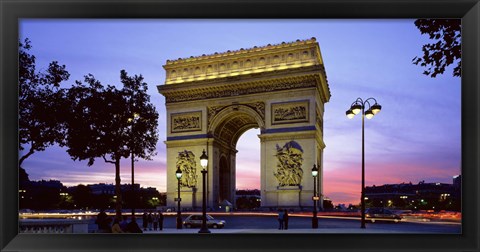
x=290, y=112
x=229, y=90
x=183, y=122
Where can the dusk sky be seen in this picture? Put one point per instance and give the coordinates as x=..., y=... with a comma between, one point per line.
x=416, y=136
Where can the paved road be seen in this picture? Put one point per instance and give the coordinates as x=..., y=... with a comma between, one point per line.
x=269, y=224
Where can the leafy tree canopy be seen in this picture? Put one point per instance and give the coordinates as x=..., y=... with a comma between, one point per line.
x=110, y=123
x=40, y=99
x=445, y=51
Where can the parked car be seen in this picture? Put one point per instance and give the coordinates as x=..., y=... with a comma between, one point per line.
x=195, y=220
x=381, y=214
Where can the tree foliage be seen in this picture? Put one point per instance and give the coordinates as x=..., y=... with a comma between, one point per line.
x=39, y=100
x=447, y=47
x=142, y=114
x=100, y=123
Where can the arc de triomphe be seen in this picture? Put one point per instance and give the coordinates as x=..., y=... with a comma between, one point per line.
x=211, y=100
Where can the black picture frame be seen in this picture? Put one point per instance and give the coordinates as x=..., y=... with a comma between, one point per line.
x=11, y=11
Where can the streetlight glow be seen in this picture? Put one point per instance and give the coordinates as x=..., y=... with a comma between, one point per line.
x=315, y=198
x=178, y=174
x=350, y=114
x=314, y=171
x=355, y=108
x=204, y=160
x=204, y=164
x=376, y=108
x=369, y=114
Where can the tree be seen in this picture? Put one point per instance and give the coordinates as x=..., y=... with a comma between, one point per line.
x=327, y=204
x=82, y=196
x=99, y=123
x=447, y=49
x=142, y=116
x=39, y=122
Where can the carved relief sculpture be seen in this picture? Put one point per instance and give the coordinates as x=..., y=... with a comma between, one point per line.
x=191, y=121
x=186, y=163
x=290, y=112
x=212, y=111
x=289, y=165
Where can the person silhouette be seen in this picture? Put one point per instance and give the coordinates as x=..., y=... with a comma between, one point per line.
x=160, y=220
x=280, y=218
x=145, y=221
x=285, y=219
x=102, y=222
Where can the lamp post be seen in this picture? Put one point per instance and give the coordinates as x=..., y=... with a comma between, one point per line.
x=315, y=198
x=178, y=174
x=133, y=121
x=355, y=108
x=204, y=164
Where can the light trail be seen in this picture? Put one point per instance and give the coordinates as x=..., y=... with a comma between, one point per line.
x=341, y=216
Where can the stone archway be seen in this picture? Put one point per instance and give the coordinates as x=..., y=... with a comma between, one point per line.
x=226, y=126
x=225, y=180
x=280, y=89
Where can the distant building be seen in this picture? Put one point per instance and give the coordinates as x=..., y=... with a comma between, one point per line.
x=102, y=188
x=54, y=184
x=42, y=194
x=247, y=199
x=457, y=181
x=327, y=203
x=52, y=194
x=110, y=188
x=421, y=196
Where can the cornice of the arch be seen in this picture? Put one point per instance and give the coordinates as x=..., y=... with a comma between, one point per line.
x=283, y=56
x=306, y=77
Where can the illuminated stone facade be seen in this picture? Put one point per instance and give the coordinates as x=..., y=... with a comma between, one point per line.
x=213, y=99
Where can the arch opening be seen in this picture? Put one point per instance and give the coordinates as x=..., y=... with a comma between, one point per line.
x=248, y=161
x=247, y=175
x=229, y=126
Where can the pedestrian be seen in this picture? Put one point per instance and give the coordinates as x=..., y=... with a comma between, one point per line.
x=280, y=218
x=116, y=229
x=160, y=220
x=101, y=222
x=285, y=219
x=133, y=227
x=107, y=225
x=150, y=221
x=155, y=222
x=124, y=223
x=145, y=221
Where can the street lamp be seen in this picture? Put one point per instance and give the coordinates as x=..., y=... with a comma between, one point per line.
x=204, y=164
x=133, y=121
x=315, y=198
x=178, y=174
x=355, y=108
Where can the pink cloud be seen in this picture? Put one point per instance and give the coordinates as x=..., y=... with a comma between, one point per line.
x=343, y=185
